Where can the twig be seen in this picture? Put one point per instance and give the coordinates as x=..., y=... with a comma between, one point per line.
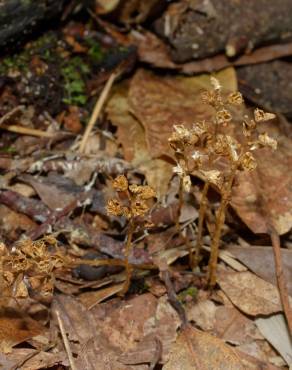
x=97, y=109
x=281, y=278
x=172, y=297
x=27, y=131
x=66, y=342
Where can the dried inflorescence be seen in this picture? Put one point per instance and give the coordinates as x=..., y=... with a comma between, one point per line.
x=29, y=267
x=201, y=147
x=132, y=200
x=133, y=203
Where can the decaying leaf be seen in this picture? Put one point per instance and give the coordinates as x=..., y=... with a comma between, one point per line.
x=131, y=135
x=161, y=102
x=275, y=330
x=16, y=328
x=250, y=294
x=260, y=260
x=28, y=359
x=197, y=350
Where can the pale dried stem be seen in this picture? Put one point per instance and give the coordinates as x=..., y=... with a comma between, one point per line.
x=96, y=111
x=180, y=204
x=220, y=219
x=202, y=213
x=27, y=131
x=177, y=225
x=66, y=341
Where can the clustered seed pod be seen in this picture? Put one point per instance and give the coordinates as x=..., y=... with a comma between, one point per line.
x=135, y=204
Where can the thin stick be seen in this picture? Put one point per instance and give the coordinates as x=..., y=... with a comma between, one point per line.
x=66, y=342
x=97, y=109
x=225, y=198
x=27, y=131
x=8, y=115
x=281, y=278
x=202, y=213
x=172, y=297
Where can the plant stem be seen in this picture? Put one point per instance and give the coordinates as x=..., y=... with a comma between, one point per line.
x=177, y=226
x=202, y=212
x=128, y=267
x=180, y=204
x=225, y=198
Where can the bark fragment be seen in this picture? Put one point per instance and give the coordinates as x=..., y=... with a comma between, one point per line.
x=198, y=29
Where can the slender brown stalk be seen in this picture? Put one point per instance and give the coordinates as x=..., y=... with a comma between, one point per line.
x=128, y=266
x=66, y=341
x=202, y=213
x=282, y=285
x=225, y=198
x=180, y=204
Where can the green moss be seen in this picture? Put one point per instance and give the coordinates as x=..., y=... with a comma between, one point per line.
x=20, y=61
x=74, y=71
x=95, y=51
x=190, y=292
x=8, y=150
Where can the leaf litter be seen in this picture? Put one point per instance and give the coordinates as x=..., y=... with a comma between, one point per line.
x=63, y=300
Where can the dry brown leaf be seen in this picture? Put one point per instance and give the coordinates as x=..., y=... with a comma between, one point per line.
x=16, y=328
x=12, y=223
x=131, y=135
x=93, y=345
x=254, y=363
x=260, y=260
x=161, y=102
x=251, y=294
x=197, y=350
x=234, y=327
x=202, y=313
x=28, y=359
x=275, y=330
x=89, y=299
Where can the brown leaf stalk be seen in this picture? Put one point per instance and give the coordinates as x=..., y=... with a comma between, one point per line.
x=282, y=285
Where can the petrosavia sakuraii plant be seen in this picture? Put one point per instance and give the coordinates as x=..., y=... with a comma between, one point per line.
x=133, y=204
x=200, y=149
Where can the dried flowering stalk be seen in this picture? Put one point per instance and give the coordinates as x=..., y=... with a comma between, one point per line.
x=201, y=147
x=132, y=203
x=240, y=158
x=30, y=267
x=180, y=141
